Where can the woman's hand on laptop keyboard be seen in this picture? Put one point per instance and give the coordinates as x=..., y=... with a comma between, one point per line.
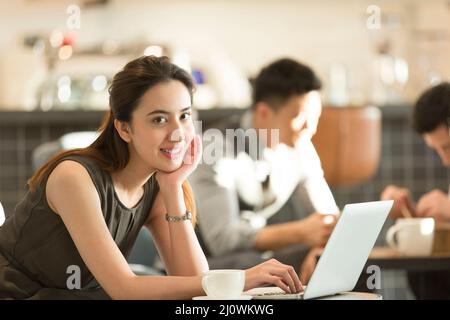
x=273, y=272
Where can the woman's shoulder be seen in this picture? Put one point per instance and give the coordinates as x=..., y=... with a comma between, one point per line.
x=73, y=167
x=69, y=168
x=86, y=161
x=79, y=162
x=69, y=181
x=75, y=172
x=68, y=172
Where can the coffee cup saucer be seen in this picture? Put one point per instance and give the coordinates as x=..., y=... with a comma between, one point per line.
x=242, y=297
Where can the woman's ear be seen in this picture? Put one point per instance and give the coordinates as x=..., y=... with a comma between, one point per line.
x=123, y=128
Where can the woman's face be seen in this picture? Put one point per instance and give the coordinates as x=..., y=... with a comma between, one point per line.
x=161, y=127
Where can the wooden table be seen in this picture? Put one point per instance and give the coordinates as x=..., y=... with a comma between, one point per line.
x=388, y=258
x=354, y=296
x=348, y=295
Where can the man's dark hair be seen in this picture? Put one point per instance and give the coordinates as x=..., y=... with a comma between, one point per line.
x=432, y=108
x=281, y=80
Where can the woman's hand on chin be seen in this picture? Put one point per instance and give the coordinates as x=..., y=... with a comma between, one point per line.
x=190, y=161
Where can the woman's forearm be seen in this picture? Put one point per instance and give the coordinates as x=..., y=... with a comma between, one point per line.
x=187, y=257
x=158, y=288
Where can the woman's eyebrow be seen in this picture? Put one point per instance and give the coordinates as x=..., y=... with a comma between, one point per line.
x=166, y=112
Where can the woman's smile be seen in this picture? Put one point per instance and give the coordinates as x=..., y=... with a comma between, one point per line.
x=173, y=152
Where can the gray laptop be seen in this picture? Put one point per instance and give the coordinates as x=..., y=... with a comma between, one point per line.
x=344, y=256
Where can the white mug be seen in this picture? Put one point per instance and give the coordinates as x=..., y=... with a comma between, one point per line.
x=414, y=236
x=224, y=284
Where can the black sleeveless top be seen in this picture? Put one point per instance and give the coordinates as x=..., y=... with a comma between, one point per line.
x=36, y=249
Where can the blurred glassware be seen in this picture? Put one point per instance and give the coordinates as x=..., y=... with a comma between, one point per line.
x=390, y=68
x=81, y=82
x=64, y=92
x=181, y=59
x=23, y=68
x=401, y=71
x=338, y=86
x=227, y=80
x=431, y=53
x=205, y=97
x=154, y=51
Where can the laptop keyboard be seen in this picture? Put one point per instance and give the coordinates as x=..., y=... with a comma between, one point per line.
x=278, y=295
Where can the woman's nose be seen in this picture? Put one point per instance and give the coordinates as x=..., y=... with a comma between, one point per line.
x=177, y=135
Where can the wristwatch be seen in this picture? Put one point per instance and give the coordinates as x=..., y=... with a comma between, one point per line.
x=186, y=216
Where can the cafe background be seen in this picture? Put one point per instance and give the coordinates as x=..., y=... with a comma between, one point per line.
x=57, y=59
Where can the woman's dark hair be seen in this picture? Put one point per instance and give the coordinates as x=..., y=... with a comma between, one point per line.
x=281, y=80
x=432, y=108
x=126, y=90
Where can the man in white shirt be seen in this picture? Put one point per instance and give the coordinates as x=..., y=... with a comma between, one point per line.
x=266, y=196
x=431, y=119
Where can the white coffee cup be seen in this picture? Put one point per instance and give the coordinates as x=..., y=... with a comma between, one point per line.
x=224, y=284
x=412, y=236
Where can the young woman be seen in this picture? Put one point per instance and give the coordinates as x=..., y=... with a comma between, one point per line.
x=85, y=207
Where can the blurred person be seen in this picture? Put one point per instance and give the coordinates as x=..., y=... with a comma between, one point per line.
x=85, y=207
x=272, y=200
x=431, y=120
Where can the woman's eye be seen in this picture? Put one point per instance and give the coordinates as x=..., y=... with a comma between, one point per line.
x=159, y=120
x=186, y=116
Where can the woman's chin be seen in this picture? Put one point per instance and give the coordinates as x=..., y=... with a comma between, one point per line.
x=169, y=168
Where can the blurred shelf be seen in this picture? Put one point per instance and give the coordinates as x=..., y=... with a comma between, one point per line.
x=60, y=117
x=397, y=112
x=89, y=116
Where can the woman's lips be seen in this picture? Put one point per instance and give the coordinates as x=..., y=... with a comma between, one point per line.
x=171, y=153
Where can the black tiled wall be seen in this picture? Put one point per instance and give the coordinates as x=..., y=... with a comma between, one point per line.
x=405, y=159
x=18, y=139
